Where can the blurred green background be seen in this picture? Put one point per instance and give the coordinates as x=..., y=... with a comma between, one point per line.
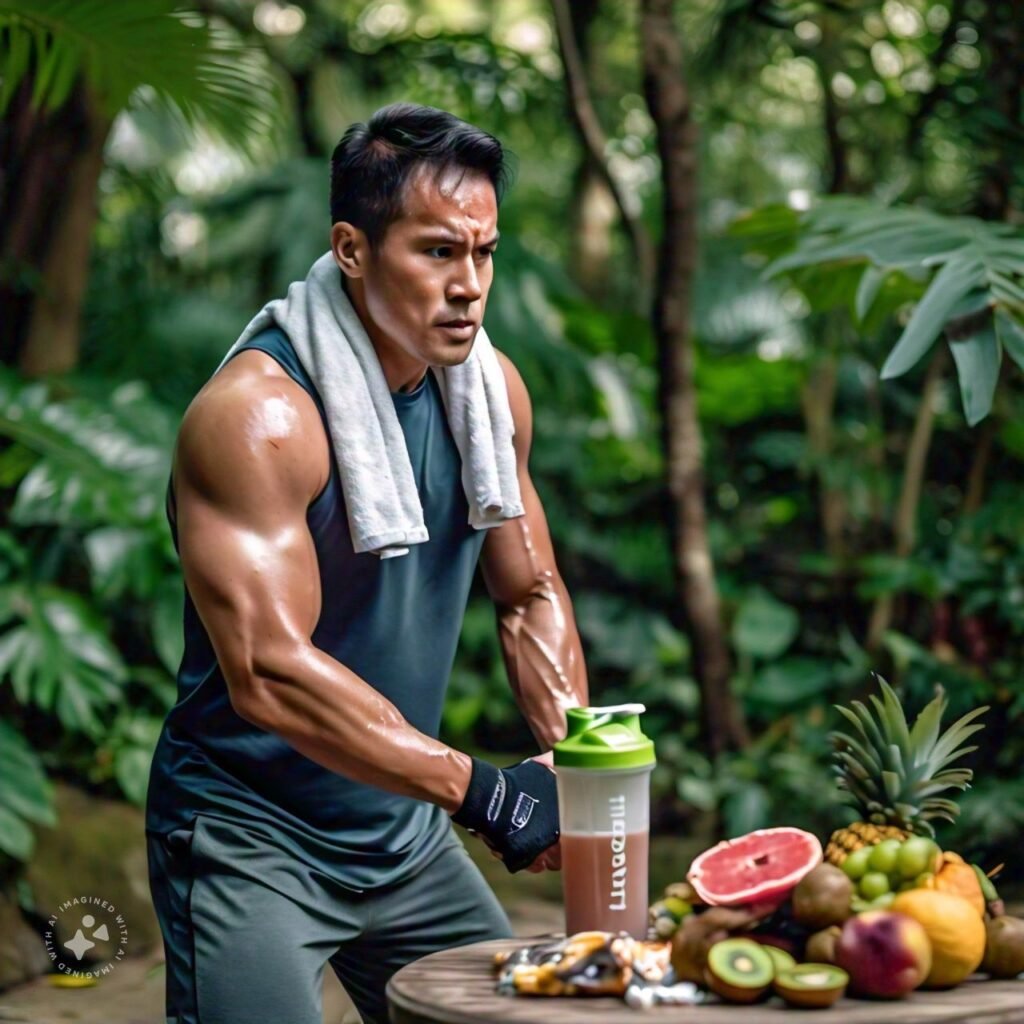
x=853, y=316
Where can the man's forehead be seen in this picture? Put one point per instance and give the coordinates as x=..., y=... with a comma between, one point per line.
x=454, y=201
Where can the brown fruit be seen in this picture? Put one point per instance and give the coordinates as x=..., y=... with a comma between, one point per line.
x=822, y=897
x=699, y=932
x=1004, y=947
x=821, y=946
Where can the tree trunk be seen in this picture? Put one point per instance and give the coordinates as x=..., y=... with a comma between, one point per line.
x=584, y=116
x=592, y=215
x=818, y=400
x=592, y=209
x=52, y=163
x=669, y=104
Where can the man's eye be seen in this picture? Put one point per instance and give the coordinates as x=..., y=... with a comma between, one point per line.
x=442, y=251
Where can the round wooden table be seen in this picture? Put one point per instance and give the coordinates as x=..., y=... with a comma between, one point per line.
x=456, y=986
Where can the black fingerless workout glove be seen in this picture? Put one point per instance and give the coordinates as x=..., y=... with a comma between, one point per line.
x=516, y=808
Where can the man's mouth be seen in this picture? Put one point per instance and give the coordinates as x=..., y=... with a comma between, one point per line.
x=456, y=323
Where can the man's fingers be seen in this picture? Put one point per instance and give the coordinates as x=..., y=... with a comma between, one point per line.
x=549, y=860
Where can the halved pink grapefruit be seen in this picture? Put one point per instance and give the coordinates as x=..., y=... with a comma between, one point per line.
x=762, y=866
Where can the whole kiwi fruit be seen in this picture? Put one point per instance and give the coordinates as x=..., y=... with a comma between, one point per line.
x=822, y=897
x=1004, y=947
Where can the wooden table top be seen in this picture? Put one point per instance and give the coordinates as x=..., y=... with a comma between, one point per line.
x=456, y=986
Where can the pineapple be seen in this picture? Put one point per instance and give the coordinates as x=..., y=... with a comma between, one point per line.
x=893, y=774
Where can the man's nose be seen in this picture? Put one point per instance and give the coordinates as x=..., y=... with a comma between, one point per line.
x=465, y=285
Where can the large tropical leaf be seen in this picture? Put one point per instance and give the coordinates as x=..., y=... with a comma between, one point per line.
x=25, y=794
x=99, y=462
x=198, y=68
x=977, y=274
x=57, y=656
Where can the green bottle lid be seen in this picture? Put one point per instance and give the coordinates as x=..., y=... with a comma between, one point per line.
x=608, y=738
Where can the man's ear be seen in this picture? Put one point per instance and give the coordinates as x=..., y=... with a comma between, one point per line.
x=349, y=248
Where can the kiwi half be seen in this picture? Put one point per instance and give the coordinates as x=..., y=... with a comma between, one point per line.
x=739, y=970
x=812, y=985
x=781, y=960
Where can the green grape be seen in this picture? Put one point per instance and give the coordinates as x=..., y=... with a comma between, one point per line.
x=856, y=864
x=676, y=907
x=873, y=885
x=917, y=854
x=923, y=879
x=882, y=902
x=884, y=855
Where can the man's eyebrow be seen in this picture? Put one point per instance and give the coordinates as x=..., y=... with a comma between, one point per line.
x=440, y=235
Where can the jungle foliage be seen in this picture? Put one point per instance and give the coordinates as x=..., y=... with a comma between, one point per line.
x=858, y=317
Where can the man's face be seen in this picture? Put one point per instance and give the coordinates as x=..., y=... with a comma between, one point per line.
x=426, y=283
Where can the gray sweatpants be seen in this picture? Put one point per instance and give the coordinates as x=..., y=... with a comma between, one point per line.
x=248, y=930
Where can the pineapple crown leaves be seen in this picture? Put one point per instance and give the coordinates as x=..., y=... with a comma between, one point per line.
x=883, y=764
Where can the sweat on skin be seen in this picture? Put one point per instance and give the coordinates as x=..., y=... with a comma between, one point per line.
x=246, y=552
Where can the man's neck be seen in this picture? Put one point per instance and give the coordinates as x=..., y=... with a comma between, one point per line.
x=403, y=373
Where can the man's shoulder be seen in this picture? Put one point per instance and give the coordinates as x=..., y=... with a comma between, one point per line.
x=518, y=395
x=252, y=419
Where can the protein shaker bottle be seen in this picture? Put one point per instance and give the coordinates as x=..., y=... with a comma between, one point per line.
x=603, y=769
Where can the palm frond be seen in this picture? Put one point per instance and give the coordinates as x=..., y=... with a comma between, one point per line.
x=139, y=50
x=975, y=295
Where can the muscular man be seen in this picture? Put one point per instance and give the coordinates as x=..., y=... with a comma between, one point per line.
x=300, y=804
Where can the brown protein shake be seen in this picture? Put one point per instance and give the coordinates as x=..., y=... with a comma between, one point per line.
x=604, y=767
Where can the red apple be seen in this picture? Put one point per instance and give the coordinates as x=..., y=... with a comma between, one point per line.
x=886, y=954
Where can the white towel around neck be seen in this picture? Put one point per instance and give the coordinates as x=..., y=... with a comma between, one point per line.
x=385, y=514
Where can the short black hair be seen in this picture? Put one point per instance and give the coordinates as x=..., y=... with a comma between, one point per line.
x=373, y=161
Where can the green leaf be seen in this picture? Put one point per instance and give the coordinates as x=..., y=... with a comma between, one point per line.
x=746, y=809
x=125, y=560
x=867, y=290
x=621, y=633
x=953, y=281
x=977, y=361
x=102, y=460
x=198, y=69
x=16, y=838
x=131, y=768
x=59, y=656
x=791, y=681
x=926, y=726
x=25, y=794
x=18, y=58
x=167, y=623
x=1011, y=335
x=946, y=750
x=764, y=627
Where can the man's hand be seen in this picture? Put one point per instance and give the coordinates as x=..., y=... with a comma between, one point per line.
x=551, y=858
x=515, y=808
